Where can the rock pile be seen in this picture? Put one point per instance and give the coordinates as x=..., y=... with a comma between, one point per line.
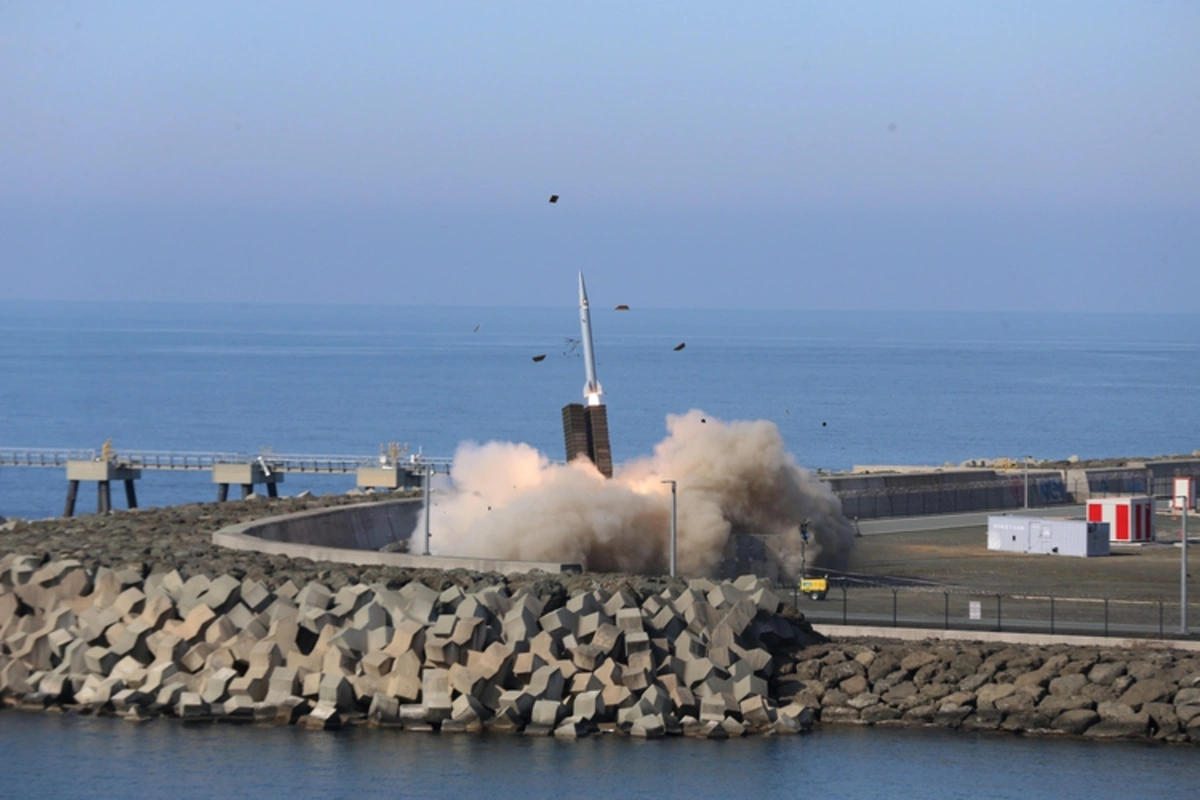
x=700, y=660
x=1088, y=691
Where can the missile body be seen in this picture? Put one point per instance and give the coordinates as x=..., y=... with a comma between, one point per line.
x=591, y=390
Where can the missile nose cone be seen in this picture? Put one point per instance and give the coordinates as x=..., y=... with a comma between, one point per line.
x=582, y=290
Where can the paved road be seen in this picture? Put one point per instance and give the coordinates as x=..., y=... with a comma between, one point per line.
x=940, y=522
x=833, y=616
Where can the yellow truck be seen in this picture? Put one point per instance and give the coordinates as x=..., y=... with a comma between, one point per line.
x=815, y=588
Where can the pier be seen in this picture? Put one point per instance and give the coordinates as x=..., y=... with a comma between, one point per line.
x=393, y=468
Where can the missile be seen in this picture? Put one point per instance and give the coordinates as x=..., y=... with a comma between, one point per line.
x=591, y=389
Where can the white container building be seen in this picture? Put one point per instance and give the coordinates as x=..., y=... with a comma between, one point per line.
x=1048, y=536
x=1130, y=519
x=1183, y=494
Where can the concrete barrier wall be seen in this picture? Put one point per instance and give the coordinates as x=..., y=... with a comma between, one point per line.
x=923, y=494
x=353, y=535
x=363, y=526
x=955, y=491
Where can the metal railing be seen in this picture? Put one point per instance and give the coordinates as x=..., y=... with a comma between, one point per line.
x=194, y=461
x=42, y=457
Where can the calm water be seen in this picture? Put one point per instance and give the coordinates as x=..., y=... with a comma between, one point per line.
x=909, y=388
x=87, y=757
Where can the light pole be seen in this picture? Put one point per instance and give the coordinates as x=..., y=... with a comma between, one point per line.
x=1027, y=480
x=1183, y=572
x=803, y=549
x=674, y=528
x=428, y=505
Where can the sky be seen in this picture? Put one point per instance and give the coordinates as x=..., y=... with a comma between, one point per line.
x=872, y=156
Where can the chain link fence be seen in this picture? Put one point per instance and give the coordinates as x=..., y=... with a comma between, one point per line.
x=851, y=602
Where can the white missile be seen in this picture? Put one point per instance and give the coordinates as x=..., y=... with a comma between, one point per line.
x=591, y=389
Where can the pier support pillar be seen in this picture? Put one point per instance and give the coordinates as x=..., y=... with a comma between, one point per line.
x=103, y=473
x=247, y=476
x=72, y=493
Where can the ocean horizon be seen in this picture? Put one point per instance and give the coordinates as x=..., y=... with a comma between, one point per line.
x=844, y=388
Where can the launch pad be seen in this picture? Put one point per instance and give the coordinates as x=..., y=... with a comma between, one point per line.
x=585, y=426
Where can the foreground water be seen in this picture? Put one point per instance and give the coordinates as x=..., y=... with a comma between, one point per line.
x=845, y=388
x=57, y=756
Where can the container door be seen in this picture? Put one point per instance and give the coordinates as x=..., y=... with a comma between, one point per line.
x=1045, y=539
x=1095, y=512
x=1123, y=513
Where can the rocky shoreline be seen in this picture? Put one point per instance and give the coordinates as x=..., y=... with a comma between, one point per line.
x=138, y=614
x=705, y=659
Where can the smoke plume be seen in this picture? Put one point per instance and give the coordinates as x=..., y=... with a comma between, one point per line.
x=508, y=501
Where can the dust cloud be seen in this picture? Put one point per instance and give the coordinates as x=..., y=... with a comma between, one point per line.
x=508, y=501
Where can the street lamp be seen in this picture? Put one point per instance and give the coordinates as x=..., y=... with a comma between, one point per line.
x=1183, y=571
x=1027, y=480
x=804, y=548
x=428, y=505
x=674, y=528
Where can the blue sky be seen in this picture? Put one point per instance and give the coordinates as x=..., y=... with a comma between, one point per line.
x=869, y=156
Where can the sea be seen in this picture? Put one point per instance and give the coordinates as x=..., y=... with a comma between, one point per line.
x=845, y=388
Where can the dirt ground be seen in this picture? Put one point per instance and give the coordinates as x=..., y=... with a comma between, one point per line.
x=959, y=558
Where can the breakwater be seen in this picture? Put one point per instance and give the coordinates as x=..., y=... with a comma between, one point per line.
x=693, y=658
x=539, y=655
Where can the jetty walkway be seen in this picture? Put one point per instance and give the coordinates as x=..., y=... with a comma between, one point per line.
x=393, y=468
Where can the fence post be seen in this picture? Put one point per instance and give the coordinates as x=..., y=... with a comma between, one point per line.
x=844, y=604
x=999, y=622
x=947, y=594
x=895, y=623
x=1051, y=614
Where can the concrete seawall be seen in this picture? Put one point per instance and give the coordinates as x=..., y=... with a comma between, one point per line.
x=354, y=535
x=359, y=527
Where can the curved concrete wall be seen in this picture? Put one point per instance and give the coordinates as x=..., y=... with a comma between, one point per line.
x=362, y=526
x=353, y=535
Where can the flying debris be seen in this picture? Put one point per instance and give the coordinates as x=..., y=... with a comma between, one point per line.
x=787, y=412
x=553, y=198
x=824, y=424
x=703, y=419
x=572, y=346
x=622, y=307
x=679, y=346
x=541, y=357
x=477, y=327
